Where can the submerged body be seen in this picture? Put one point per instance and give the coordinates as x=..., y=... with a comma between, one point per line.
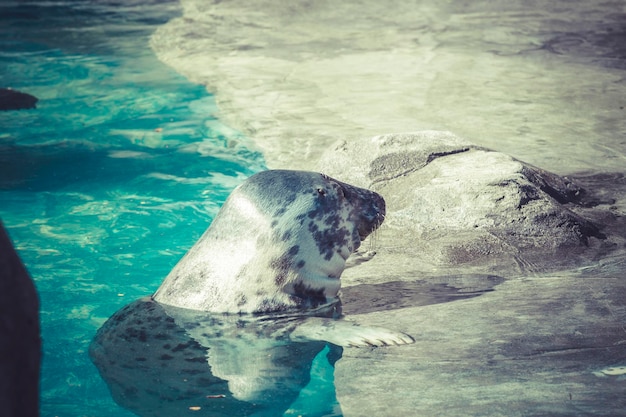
x=248, y=308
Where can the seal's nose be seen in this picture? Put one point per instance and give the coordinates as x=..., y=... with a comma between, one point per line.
x=369, y=207
x=380, y=207
x=374, y=216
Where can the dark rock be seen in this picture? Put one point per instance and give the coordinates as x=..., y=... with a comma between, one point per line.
x=16, y=100
x=20, y=343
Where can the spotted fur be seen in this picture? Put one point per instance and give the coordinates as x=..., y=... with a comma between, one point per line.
x=276, y=249
x=280, y=242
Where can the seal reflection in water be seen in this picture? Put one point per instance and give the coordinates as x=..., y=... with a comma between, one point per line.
x=234, y=328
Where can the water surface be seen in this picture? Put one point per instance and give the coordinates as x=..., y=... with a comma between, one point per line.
x=124, y=162
x=109, y=180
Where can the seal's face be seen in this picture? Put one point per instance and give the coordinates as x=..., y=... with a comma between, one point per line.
x=337, y=215
x=320, y=222
x=280, y=241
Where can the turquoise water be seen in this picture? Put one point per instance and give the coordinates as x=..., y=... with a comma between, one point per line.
x=108, y=182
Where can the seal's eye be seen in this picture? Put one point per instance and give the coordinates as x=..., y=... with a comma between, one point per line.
x=321, y=192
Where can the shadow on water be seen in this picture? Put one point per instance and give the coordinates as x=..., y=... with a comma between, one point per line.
x=164, y=361
x=367, y=298
x=104, y=25
x=65, y=164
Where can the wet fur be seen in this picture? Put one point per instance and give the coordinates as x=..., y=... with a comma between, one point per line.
x=280, y=242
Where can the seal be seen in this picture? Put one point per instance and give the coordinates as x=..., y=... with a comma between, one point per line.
x=280, y=242
x=249, y=308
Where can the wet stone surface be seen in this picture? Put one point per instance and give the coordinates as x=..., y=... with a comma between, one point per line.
x=541, y=81
x=519, y=341
x=536, y=346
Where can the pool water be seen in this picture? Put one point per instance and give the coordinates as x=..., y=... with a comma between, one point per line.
x=109, y=181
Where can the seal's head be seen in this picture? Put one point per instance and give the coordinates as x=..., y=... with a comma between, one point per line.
x=280, y=242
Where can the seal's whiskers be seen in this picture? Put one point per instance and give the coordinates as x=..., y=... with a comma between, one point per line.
x=372, y=243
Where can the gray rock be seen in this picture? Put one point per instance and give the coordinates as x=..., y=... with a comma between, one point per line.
x=20, y=343
x=543, y=346
x=452, y=204
x=523, y=342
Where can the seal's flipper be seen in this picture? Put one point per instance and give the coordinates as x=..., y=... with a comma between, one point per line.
x=358, y=257
x=348, y=334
